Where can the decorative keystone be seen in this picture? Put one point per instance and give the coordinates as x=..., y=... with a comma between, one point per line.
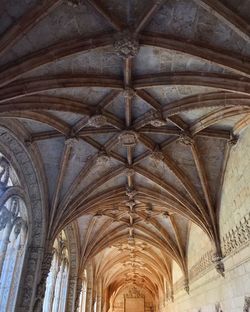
x=129, y=93
x=156, y=119
x=126, y=45
x=98, y=121
x=128, y=138
x=129, y=172
x=185, y=139
x=102, y=158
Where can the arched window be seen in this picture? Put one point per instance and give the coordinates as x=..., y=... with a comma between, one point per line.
x=57, y=280
x=13, y=235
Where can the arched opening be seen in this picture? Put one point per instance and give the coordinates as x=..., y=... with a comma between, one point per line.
x=57, y=280
x=13, y=235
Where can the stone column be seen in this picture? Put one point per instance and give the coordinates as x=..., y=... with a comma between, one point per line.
x=58, y=288
x=89, y=299
x=78, y=294
x=63, y=287
x=99, y=296
x=50, y=284
x=9, y=220
x=41, y=287
x=4, y=243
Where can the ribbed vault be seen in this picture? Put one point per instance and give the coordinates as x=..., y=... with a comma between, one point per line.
x=132, y=108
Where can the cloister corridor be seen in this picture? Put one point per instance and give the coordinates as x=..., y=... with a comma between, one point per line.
x=124, y=155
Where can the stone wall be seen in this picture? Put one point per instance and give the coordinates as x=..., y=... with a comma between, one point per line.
x=128, y=291
x=209, y=292
x=235, y=200
x=211, y=289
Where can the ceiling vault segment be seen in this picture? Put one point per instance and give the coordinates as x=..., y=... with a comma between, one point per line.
x=134, y=120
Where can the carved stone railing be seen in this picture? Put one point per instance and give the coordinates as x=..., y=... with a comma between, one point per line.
x=237, y=237
x=203, y=264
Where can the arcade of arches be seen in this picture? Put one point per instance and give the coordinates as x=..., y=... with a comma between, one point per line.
x=125, y=155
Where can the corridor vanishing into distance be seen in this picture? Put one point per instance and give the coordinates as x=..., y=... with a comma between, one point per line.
x=124, y=156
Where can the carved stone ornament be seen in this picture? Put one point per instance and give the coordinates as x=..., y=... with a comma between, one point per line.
x=98, y=121
x=233, y=140
x=129, y=93
x=128, y=138
x=102, y=158
x=134, y=293
x=156, y=119
x=185, y=139
x=246, y=307
x=126, y=44
x=237, y=237
x=70, y=141
x=219, y=265
x=129, y=172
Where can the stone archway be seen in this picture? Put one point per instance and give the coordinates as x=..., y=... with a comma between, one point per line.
x=22, y=163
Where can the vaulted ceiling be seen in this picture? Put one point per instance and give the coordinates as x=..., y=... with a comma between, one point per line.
x=131, y=108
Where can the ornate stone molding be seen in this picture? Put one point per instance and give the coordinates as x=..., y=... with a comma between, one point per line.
x=23, y=165
x=237, y=237
x=204, y=263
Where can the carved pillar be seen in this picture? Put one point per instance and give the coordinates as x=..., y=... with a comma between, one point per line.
x=78, y=293
x=99, y=296
x=41, y=287
x=50, y=284
x=63, y=287
x=58, y=288
x=4, y=243
x=89, y=299
x=9, y=220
